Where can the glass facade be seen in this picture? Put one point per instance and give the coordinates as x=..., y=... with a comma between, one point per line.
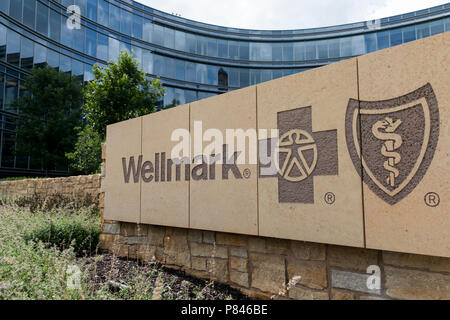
x=193, y=60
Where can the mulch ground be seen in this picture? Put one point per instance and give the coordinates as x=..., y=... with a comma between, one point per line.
x=177, y=285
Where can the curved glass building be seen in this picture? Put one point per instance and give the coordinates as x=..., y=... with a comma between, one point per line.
x=193, y=60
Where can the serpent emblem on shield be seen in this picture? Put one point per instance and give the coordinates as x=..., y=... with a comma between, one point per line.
x=392, y=142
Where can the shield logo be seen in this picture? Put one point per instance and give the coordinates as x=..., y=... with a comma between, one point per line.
x=392, y=142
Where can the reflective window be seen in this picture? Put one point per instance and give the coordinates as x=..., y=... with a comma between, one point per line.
x=179, y=96
x=255, y=77
x=55, y=26
x=212, y=74
x=190, y=72
x=244, y=51
x=436, y=27
x=202, y=45
x=125, y=47
x=358, y=46
x=371, y=42
x=201, y=71
x=66, y=35
x=91, y=10
x=158, y=65
x=158, y=35
x=423, y=30
x=147, y=31
x=277, y=52
x=78, y=39
x=102, y=47
x=233, y=50
x=11, y=92
x=42, y=19
x=114, y=17
x=299, y=52
x=169, y=98
x=277, y=74
x=29, y=13
x=396, y=37
x=170, y=69
x=310, y=51
x=26, y=54
x=40, y=55
x=179, y=65
x=169, y=38
x=266, y=75
x=2, y=88
x=91, y=42
x=137, y=54
x=53, y=59
x=147, y=61
x=222, y=48
x=409, y=34
x=113, y=49
x=180, y=40
x=77, y=69
x=126, y=22
x=88, y=73
x=244, y=77
x=212, y=47
x=322, y=49
x=383, y=40
x=288, y=52
x=13, y=47
x=191, y=43
x=4, y=7
x=137, y=26
x=15, y=9
x=103, y=12
x=65, y=63
x=190, y=96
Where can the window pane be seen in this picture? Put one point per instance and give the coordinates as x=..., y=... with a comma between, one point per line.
x=179, y=64
x=147, y=61
x=223, y=48
x=102, y=47
x=126, y=22
x=65, y=63
x=423, y=30
x=26, y=54
x=147, y=31
x=244, y=51
x=190, y=96
x=299, y=52
x=212, y=75
x=91, y=42
x=137, y=54
x=78, y=39
x=266, y=75
x=11, y=92
x=179, y=96
x=201, y=73
x=322, y=49
x=4, y=7
x=2, y=43
x=170, y=68
x=2, y=88
x=255, y=76
x=277, y=52
x=13, y=48
x=233, y=77
x=53, y=59
x=277, y=74
x=180, y=40
x=113, y=49
x=409, y=34
x=66, y=35
x=137, y=26
x=42, y=19
x=436, y=27
x=103, y=12
x=202, y=45
x=358, y=46
x=91, y=11
x=40, y=55
x=233, y=50
x=288, y=52
x=244, y=78
x=158, y=65
x=114, y=17
x=169, y=38
x=77, y=69
x=55, y=26
x=15, y=9
x=212, y=47
x=396, y=37
x=190, y=72
x=383, y=40
x=158, y=35
x=191, y=43
x=310, y=51
x=29, y=13
x=371, y=42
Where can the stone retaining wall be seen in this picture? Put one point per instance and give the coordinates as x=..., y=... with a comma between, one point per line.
x=263, y=267
x=77, y=188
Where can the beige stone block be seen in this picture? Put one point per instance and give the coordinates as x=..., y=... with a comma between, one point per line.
x=176, y=249
x=208, y=250
x=305, y=294
x=417, y=261
x=308, y=250
x=229, y=239
x=352, y=258
x=313, y=273
x=240, y=278
x=227, y=202
x=217, y=269
x=238, y=264
x=268, y=272
x=405, y=94
x=198, y=263
x=122, y=199
x=164, y=189
x=342, y=295
x=413, y=284
x=305, y=199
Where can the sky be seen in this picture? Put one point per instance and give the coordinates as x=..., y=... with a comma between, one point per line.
x=287, y=14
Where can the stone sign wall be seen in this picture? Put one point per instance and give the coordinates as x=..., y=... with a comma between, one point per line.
x=354, y=153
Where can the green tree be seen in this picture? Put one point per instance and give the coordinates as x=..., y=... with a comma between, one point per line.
x=51, y=111
x=119, y=92
x=86, y=158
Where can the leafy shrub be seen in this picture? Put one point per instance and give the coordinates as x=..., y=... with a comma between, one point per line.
x=65, y=230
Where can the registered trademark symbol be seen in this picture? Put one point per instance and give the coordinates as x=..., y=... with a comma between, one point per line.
x=432, y=199
x=247, y=173
x=329, y=197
